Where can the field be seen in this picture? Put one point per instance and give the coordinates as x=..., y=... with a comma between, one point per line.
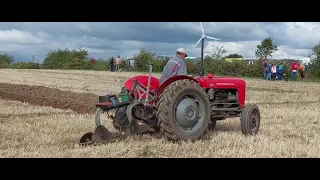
x=48, y=120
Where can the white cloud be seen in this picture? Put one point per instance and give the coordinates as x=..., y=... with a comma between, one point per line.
x=305, y=33
x=44, y=34
x=14, y=36
x=94, y=50
x=247, y=49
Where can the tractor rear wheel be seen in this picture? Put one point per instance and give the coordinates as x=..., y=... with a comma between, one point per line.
x=183, y=111
x=250, y=119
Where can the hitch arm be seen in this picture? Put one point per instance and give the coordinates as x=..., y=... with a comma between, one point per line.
x=148, y=87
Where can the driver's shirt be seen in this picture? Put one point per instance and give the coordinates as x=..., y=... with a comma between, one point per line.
x=175, y=66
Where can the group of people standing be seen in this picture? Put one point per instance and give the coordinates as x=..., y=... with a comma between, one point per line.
x=272, y=71
x=297, y=67
x=275, y=72
x=118, y=64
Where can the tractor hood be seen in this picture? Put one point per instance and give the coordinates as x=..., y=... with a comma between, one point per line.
x=222, y=82
x=210, y=81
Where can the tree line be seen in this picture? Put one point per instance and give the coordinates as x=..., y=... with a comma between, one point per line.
x=215, y=62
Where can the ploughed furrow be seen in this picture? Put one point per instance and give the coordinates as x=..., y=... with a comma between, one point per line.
x=43, y=96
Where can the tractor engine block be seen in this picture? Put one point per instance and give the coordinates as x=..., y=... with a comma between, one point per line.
x=222, y=96
x=224, y=102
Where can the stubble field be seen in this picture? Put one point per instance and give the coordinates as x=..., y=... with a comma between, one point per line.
x=49, y=119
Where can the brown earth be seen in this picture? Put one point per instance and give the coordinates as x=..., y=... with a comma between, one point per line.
x=43, y=96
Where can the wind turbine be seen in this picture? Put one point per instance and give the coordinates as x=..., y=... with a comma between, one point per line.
x=203, y=35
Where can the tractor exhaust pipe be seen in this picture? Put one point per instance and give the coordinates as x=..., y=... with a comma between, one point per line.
x=202, y=63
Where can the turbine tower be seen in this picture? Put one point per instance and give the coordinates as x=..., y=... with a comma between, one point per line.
x=203, y=35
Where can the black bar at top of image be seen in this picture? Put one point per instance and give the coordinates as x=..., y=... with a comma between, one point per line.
x=155, y=11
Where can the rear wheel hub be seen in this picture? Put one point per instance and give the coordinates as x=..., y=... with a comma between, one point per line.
x=190, y=113
x=187, y=114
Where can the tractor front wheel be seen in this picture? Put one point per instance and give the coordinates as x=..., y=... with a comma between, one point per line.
x=212, y=125
x=250, y=119
x=183, y=111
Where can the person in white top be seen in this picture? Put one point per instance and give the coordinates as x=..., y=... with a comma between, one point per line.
x=118, y=62
x=274, y=71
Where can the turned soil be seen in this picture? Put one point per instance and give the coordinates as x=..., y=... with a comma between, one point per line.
x=82, y=103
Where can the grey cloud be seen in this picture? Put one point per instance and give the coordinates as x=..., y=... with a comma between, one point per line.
x=148, y=32
x=112, y=38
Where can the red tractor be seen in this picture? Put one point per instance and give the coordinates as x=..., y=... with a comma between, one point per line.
x=181, y=108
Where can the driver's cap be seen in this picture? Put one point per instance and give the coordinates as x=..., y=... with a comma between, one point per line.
x=182, y=51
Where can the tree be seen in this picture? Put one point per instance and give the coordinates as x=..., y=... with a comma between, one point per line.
x=218, y=52
x=5, y=60
x=66, y=59
x=234, y=56
x=266, y=48
x=142, y=59
x=315, y=60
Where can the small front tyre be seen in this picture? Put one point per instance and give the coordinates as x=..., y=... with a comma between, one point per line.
x=250, y=119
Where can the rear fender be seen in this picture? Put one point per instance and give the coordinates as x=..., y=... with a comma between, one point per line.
x=171, y=80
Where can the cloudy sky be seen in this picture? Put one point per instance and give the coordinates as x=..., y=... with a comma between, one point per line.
x=103, y=40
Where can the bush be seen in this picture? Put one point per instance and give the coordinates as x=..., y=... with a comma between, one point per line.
x=100, y=65
x=157, y=64
x=77, y=59
x=66, y=59
x=24, y=65
x=143, y=59
x=192, y=67
x=5, y=60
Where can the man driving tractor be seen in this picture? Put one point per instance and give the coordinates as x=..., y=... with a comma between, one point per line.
x=175, y=66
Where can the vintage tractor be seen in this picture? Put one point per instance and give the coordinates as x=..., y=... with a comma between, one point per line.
x=181, y=108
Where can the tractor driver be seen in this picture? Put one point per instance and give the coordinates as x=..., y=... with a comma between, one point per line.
x=175, y=66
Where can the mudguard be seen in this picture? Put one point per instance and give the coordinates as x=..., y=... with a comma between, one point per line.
x=171, y=80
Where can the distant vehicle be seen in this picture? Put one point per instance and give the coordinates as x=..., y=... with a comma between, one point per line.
x=191, y=58
x=164, y=56
x=233, y=59
x=131, y=62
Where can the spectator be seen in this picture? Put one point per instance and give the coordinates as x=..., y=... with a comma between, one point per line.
x=268, y=71
x=280, y=71
x=111, y=63
x=301, y=69
x=118, y=62
x=127, y=64
x=264, y=65
x=293, y=70
x=274, y=71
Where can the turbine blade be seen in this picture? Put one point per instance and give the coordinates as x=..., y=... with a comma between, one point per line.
x=209, y=37
x=197, y=43
x=201, y=28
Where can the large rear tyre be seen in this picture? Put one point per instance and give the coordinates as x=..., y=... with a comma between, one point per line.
x=250, y=119
x=183, y=111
